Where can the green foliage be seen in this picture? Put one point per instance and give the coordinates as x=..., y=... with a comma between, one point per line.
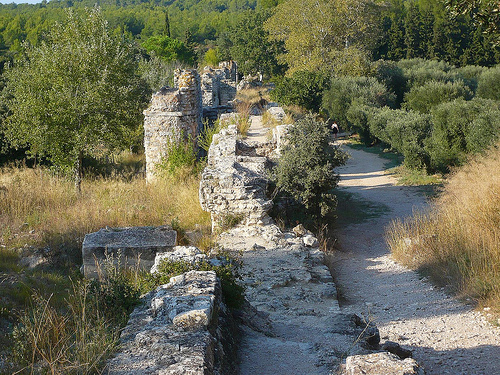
x=405, y=131
x=316, y=37
x=392, y=76
x=206, y=136
x=251, y=46
x=420, y=71
x=305, y=168
x=302, y=88
x=349, y=98
x=453, y=135
x=424, y=98
x=74, y=92
x=180, y=158
x=488, y=85
x=169, y=49
x=212, y=57
x=225, y=266
x=157, y=73
x=470, y=75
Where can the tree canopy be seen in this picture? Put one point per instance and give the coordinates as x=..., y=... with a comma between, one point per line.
x=318, y=34
x=76, y=91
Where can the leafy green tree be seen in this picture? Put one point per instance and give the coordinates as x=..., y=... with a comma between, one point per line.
x=348, y=93
x=454, y=134
x=212, y=57
x=306, y=166
x=169, y=49
x=488, y=85
x=302, y=88
x=316, y=32
x=432, y=93
x=484, y=12
x=251, y=46
x=75, y=92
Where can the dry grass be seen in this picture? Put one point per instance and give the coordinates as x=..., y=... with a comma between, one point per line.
x=253, y=95
x=43, y=210
x=458, y=240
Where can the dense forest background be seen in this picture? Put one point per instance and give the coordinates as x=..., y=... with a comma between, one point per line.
x=305, y=47
x=403, y=28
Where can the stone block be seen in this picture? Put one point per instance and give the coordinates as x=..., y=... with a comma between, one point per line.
x=173, y=332
x=127, y=247
x=381, y=364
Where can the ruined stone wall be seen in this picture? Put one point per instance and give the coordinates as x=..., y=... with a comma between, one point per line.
x=219, y=85
x=173, y=115
x=182, y=328
x=233, y=185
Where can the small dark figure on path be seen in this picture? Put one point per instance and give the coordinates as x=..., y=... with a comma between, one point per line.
x=335, y=129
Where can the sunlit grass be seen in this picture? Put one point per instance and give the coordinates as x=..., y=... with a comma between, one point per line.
x=458, y=240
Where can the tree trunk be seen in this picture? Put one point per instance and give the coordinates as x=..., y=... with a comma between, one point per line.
x=78, y=173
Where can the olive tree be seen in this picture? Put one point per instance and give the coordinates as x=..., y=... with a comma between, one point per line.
x=76, y=91
x=306, y=167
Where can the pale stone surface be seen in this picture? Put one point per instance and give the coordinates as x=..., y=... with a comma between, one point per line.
x=382, y=364
x=189, y=254
x=234, y=186
x=280, y=133
x=277, y=112
x=174, y=115
x=176, y=330
x=310, y=240
x=127, y=247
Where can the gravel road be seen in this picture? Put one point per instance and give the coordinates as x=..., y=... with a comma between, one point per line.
x=445, y=335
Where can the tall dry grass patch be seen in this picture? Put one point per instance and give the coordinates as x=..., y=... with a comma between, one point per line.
x=43, y=210
x=458, y=240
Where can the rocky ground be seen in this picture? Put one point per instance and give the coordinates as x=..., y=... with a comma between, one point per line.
x=445, y=335
x=295, y=324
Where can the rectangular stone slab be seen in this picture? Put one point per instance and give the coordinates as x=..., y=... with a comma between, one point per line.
x=125, y=246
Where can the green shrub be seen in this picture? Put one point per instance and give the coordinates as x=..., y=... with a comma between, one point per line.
x=180, y=159
x=303, y=88
x=360, y=92
x=470, y=75
x=359, y=114
x=392, y=76
x=227, y=270
x=419, y=71
x=206, y=136
x=423, y=98
x=305, y=168
x=453, y=129
x=488, y=86
x=405, y=131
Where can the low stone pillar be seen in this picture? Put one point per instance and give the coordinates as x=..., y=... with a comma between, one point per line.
x=125, y=247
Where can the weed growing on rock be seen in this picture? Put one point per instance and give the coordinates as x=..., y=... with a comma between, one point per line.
x=224, y=265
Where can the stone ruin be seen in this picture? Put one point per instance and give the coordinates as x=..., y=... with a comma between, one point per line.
x=134, y=247
x=176, y=114
x=234, y=185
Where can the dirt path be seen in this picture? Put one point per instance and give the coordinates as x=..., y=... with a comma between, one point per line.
x=446, y=336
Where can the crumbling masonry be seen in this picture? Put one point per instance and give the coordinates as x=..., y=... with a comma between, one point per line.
x=176, y=114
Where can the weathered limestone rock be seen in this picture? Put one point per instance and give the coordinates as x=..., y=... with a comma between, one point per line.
x=382, y=364
x=174, y=115
x=280, y=133
x=310, y=240
x=277, y=112
x=189, y=254
x=127, y=247
x=176, y=330
x=234, y=186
